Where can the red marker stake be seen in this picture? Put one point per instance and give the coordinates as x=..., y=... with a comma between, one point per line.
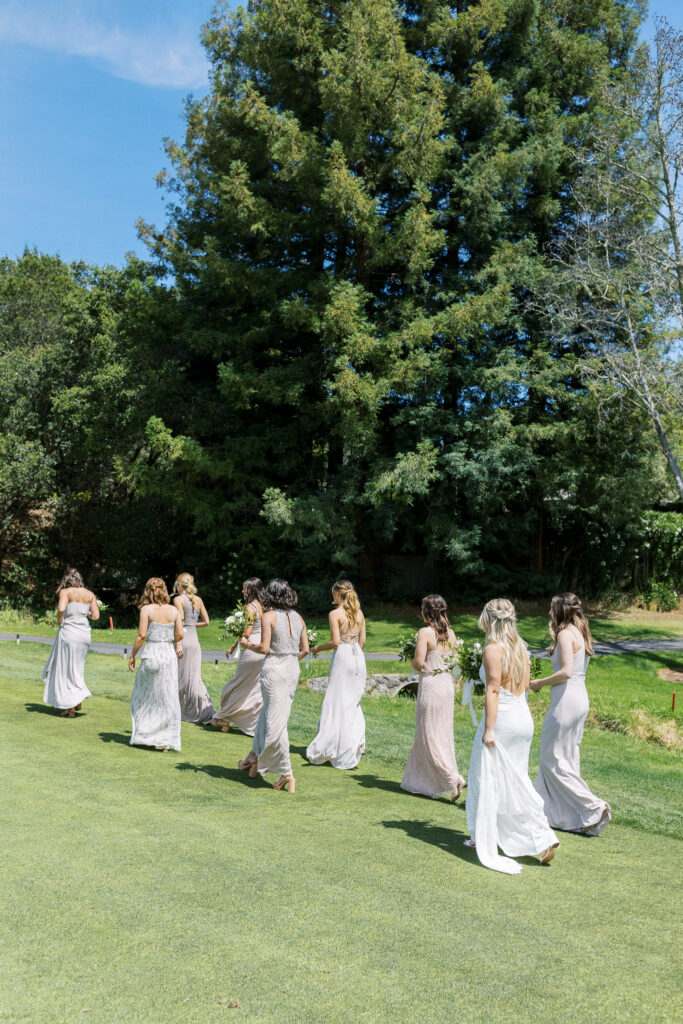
x=111, y=624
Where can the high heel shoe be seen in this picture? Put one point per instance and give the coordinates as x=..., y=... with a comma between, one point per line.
x=68, y=713
x=246, y=763
x=458, y=791
x=286, y=782
x=548, y=854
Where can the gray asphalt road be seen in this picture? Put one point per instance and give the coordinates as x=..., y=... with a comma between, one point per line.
x=616, y=647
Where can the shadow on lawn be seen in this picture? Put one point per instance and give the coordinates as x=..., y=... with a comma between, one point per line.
x=219, y=771
x=447, y=839
x=44, y=709
x=118, y=737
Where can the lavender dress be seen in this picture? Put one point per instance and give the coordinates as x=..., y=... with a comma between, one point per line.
x=195, y=703
x=432, y=769
x=569, y=803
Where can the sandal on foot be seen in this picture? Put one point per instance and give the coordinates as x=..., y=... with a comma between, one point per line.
x=68, y=713
x=457, y=792
x=548, y=854
x=286, y=782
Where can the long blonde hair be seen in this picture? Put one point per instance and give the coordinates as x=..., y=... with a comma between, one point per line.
x=185, y=585
x=498, y=621
x=348, y=598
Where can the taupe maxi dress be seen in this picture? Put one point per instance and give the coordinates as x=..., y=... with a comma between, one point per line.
x=569, y=803
x=63, y=674
x=195, y=703
x=432, y=769
x=279, y=679
x=241, y=699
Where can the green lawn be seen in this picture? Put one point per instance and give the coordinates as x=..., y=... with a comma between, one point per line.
x=160, y=888
x=386, y=623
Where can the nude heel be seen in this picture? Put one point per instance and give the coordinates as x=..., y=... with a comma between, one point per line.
x=286, y=782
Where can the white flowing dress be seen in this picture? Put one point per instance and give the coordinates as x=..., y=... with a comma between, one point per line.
x=279, y=679
x=568, y=801
x=155, y=704
x=63, y=674
x=341, y=729
x=503, y=808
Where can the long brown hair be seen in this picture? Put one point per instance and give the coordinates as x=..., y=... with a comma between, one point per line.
x=155, y=592
x=434, y=611
x=344, y=590
x=566, y=610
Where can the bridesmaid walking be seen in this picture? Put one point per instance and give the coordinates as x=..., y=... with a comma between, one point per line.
x=195, y=703
x=341, y=729
x=241, y=699
x=568, y=801
x=432, y=769
x=284, y=642
x=503, y=808
x=155, y=705
x=63, y=674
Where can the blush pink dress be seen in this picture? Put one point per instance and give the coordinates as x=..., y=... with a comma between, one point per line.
x=241, y=699
x=432, y=769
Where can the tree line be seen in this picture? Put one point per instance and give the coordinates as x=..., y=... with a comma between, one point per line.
x=412, y=318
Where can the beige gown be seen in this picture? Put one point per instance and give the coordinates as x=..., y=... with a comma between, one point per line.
x=432, y=769
x=195, y=703
x=568, y=801
x=279, y=679
x=241, y=699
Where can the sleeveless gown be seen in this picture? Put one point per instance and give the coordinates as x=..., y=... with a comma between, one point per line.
x=155, y=705
x=432, y=769
x=241, y=699
x=503, y=808
x=569, y=803
x=63, y=674
x=341, y=729
x=195, y=703
x=279, y=679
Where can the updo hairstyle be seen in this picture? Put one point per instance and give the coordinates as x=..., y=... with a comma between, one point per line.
x=185, y=585
x=344, y=592
x=434, y=611
x=566, y=610
x=279, y=596
x=71, y=578
x=155, y=592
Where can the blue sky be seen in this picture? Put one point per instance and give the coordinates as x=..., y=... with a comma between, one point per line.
x=88, y=91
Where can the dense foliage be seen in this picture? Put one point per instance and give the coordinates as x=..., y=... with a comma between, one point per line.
x=346, y=373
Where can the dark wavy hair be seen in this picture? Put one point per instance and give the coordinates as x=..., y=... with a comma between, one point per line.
x=155, y=592
x=434, y=610
x=566, y=610
x=71, y=578
x=254, y=589
x=279, y=595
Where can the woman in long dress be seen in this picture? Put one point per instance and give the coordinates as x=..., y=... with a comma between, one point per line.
x=432, y=769
x=503, y=808
x=195, y=703
x=284, y=642
x=241, y=699
x=569, y=803
x=155, y=704
x=341, y=729
x=64, y=672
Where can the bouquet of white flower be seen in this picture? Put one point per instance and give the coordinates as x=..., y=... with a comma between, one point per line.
x=451, y=657
x=470, y=658
x=101, y=605
x=406, y=646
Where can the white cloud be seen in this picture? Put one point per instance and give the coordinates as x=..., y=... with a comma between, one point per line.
x=154, y=59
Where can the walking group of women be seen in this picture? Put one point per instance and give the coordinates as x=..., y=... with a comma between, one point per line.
x=504, y=810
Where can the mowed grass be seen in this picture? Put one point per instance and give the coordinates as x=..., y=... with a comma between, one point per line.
x=386, y=623
x=162, y=888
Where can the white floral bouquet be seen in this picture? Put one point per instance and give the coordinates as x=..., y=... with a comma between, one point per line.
x=101, y=605
x=451, y=657
x=406, y=646
x=469, y=659
x=312, y=635
x=237, y=623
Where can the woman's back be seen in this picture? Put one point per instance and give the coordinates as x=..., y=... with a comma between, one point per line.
x=190, y=612
x=286, y=633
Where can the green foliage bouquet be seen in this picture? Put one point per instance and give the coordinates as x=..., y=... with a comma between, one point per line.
x=470, y=658
x=237, y=623
x=406, y=646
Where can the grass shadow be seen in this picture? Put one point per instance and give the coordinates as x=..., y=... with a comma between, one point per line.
x=375, y=782
x=450, y=840
x=119, y=737
x=219, y=771
x=45, y=709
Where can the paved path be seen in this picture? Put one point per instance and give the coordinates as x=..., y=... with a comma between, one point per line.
x=656, y=643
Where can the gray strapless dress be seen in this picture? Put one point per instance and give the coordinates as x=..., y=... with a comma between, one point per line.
x=195, y=703
x=569, y=803
x=155, y=705
x=63, y=674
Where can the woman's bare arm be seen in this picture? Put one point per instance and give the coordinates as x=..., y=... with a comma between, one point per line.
x=419, y=658
x=565, y=651
x=493, y=666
